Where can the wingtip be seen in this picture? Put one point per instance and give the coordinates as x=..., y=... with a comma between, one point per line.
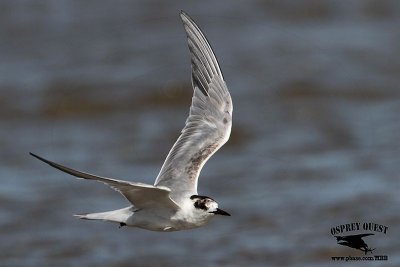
x=184, y=16
x=40, y=158
x=34, y=155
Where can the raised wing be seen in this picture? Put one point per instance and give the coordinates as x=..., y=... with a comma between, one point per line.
x=209, y=124
x=140, y=195
x=359, y=236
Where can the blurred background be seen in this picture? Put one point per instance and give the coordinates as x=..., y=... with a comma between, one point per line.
x=104, y=87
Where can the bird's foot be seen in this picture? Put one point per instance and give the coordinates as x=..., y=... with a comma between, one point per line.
x=121, y=224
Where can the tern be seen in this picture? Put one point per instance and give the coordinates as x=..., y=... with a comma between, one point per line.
x=172, y=203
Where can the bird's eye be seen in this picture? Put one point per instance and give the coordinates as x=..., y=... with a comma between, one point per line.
x=200, y=204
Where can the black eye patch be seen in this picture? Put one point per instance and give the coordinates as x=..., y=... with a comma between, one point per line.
x=200, y=204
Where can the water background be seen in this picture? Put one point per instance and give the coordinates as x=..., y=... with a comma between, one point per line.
x=104, y=87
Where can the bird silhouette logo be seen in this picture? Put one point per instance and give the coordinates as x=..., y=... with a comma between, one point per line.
x=355, y=241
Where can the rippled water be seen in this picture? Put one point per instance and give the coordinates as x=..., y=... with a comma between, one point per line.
x=103, y=86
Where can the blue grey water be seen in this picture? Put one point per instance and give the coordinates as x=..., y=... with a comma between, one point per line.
x=104, y=87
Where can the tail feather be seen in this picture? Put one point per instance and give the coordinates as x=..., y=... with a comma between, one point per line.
x=118, y=216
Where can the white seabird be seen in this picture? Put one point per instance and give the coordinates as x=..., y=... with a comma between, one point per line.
x=172, y=203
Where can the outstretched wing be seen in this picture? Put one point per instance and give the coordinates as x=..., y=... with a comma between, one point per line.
x=359, y=236
x=209, y=123
x=140, y=195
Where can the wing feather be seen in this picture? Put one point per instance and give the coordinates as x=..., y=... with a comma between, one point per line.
x=139, y=194
x=209, y=123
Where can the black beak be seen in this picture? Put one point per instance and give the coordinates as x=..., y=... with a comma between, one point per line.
x=220, y=212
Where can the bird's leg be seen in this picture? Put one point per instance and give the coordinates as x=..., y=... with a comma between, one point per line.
x=369, y=250
x=365, y=250
x=121, y=224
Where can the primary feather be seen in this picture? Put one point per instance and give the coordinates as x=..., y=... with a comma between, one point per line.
x=208, y=126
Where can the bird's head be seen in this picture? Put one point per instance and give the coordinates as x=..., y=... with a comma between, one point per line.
x=207, y=204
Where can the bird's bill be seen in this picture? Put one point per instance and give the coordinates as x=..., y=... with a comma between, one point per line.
x=220, y=212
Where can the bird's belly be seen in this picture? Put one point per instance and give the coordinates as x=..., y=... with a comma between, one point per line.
x=153, y=220
x=164, y=222
x=184, y=221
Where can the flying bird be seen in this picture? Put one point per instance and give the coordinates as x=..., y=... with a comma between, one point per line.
x=172, y=203
x=355, y=241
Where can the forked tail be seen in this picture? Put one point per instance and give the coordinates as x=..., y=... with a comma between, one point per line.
x=120, y=216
